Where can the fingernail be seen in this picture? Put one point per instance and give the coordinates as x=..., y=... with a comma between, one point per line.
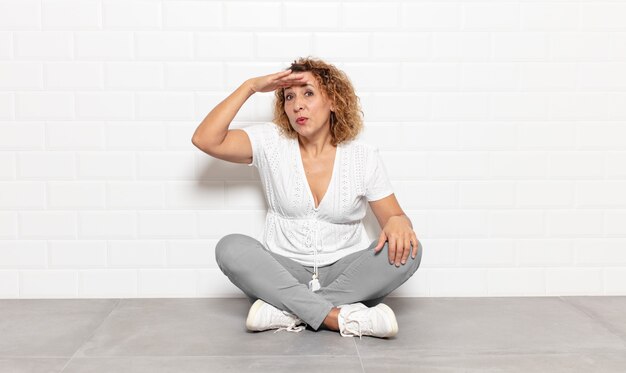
x=404, y=262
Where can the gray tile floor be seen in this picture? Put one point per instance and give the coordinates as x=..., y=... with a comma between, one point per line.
x=530, y=334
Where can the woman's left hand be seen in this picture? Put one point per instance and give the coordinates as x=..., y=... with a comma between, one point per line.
x=398, y=232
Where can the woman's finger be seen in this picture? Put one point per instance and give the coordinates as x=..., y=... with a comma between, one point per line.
x=292, y=78
x=391, y=246
x=382, y=238
x=292, y=75
x=277, y=80
x=280, y=75
x=407, y=249
x=399, y=251
x=415, y=245
x=283, y=73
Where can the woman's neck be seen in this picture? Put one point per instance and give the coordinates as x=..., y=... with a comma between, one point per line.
x=316, y=146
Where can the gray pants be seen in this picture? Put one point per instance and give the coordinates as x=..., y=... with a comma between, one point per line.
x=359, y=277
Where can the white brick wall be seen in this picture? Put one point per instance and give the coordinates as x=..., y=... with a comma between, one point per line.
x=500, y=123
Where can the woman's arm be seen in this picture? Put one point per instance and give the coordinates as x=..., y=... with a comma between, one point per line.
x=397, y=229
x=213, y=136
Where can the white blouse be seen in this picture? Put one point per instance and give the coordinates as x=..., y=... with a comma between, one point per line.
x=293, y=226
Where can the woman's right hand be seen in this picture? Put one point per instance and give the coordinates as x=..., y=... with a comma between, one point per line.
x=275, y=81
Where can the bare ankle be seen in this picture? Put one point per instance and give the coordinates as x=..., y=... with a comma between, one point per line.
x=332, y=319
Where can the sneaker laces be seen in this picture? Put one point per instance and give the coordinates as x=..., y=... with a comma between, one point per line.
x=353, y=326
x=293, y=326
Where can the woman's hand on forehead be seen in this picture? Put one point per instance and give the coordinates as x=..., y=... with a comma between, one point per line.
x=292, y=79
x=275, y=81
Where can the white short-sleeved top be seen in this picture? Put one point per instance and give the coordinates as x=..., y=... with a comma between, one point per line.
x=293, y=226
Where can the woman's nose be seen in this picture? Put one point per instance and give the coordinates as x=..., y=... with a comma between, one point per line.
x=297, y=105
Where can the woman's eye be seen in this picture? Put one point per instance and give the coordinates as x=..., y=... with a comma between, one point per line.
x=309, y=93
x=288, y=97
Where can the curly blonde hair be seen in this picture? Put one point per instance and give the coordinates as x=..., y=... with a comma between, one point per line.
x=346, y=120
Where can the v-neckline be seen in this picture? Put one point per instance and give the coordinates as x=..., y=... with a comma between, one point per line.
x=306, y=180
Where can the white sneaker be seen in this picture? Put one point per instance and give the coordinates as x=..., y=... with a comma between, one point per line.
x=357, y=319
x=264, y=316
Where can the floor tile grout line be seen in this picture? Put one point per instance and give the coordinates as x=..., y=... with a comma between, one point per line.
x=91, y=335
x=359, y=355
x=608, y=326
x=514, y=352
x=178, y=356
x=492, y=352
x=428, y=353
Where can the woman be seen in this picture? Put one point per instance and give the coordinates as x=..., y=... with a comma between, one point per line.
x=315, y=265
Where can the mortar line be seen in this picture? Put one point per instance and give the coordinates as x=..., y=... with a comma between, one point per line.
x=91, y=335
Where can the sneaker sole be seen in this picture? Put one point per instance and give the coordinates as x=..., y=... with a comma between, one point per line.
x=392, y=316
x=253, y=310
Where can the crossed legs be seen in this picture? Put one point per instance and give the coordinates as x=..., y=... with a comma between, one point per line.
x=359, y=277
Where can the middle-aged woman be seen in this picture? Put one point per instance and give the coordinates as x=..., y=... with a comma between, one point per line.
x=315, y=264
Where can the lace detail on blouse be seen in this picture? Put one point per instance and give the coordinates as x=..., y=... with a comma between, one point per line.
x=345, y=179
x=273, y=152
x=359, y=169
x=298, y=188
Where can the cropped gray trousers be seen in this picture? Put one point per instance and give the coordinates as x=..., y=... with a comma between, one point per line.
x=359, y=277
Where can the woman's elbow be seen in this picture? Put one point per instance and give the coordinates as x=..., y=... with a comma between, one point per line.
x=195, y=140
x=202, y=145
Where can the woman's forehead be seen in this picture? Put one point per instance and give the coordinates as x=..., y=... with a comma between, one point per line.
x=305, y=84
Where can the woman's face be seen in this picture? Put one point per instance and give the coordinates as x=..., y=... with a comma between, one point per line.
x=307, y=107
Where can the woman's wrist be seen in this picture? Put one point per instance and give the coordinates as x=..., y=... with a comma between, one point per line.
x=248, y=85
x=403, y=217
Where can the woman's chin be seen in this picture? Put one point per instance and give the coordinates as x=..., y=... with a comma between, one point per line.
x=300, y=130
